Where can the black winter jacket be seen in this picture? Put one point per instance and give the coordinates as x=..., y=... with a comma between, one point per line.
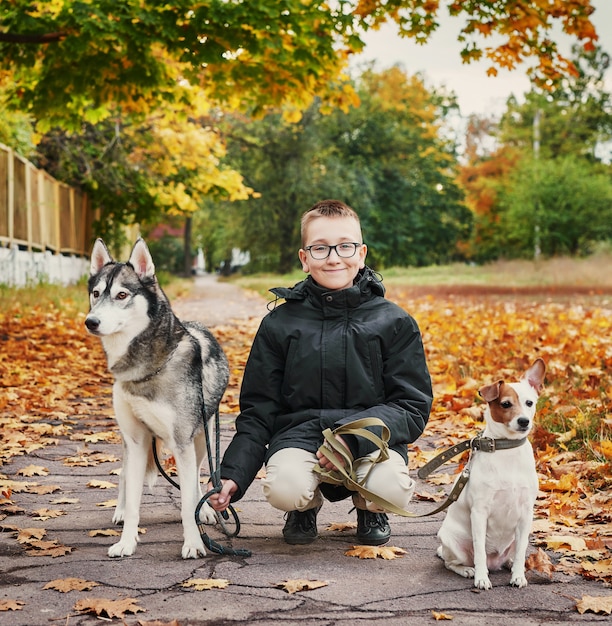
x=323, y=359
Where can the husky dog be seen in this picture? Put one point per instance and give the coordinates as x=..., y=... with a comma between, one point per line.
x=169, y=379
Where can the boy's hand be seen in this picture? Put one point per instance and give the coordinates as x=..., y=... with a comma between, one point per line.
x=220, y=501
x=327, y=464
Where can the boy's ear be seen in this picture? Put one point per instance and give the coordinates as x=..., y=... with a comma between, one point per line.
x=303, y=256
x=363, y=251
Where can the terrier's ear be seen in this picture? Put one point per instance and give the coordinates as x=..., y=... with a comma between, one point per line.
x=100, y=256
x=535, y=374
x=491, y=392
x=141, y=261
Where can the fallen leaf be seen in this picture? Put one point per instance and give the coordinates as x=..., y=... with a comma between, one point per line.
x=373, y=552
x=26, y=535
x=101, y=484
x=440, y=616
x=342, y=526
x=33, y=470
x=540, y=562
x=595, y=604
x=11, y=605
x=45, y=514
x=107, y=532
x=203, y=584
x=293, y=586
x=104, y=607
x=70, y=584
x=576, y=544
x=47, y=548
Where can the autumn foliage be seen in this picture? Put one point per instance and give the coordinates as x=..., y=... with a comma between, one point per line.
x=53, y=378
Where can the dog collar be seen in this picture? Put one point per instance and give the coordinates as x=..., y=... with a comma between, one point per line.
x=484, y=444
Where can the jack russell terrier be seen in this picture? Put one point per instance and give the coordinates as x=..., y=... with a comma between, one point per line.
x=489, y=524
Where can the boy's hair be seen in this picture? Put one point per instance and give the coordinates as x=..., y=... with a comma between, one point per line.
x=327, y=208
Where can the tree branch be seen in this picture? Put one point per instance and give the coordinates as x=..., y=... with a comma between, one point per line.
x=35, y=39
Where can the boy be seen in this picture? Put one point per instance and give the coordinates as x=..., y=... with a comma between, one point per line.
x=334, y=352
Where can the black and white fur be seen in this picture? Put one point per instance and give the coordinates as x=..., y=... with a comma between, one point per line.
x=169, y=379
x=489, y=525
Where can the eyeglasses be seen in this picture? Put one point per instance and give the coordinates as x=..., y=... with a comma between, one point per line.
x=343, y=250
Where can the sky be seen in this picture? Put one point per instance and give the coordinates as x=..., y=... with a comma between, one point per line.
x=440, y=63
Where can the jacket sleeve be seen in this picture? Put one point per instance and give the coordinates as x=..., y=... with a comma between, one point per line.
x=259, y=405
x=407, y=389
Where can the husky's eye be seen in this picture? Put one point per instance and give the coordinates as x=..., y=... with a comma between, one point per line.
x=122, y=295
x=529, y=403
x=95, y=293
x=506, y=404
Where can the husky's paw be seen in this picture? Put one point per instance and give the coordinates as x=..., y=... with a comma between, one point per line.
x=193, y=550
x=518, y=581
x=207, y=514
x=124, y=547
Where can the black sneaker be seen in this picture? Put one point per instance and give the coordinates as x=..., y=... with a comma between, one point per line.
x=301, y=527
x=372, y=528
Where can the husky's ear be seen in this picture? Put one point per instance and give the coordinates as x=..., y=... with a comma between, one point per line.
x=535, y=374
x=141, y=260
x=100, y=256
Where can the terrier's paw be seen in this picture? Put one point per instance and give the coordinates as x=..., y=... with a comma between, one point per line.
x=518, y=581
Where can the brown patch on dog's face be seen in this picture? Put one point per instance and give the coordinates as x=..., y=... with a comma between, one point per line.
x=506, y=406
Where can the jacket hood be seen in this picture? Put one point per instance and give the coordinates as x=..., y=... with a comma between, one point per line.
x=367, y=284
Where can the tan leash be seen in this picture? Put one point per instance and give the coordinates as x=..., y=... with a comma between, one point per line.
x=346, y=475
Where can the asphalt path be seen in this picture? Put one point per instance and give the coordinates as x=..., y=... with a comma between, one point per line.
x=157, y=583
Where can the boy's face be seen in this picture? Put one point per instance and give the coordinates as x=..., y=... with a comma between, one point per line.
x=334, y=272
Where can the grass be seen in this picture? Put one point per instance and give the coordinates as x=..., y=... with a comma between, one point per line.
x=592, y=272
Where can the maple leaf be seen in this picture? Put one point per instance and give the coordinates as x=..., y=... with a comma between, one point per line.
x=45, y=514
x=293, y=586
x=158, y=623
x=203, y=584
x=26, y=535
x=11, y=605
x=42, y=490
x=108, y=504
x=104, y=607
x=540, y=562
x=108, y=532
x=48, y=548
x=70, y=584
x=575, y=544
x=33, y=470
x=372, y=552
x=595, y=604
x=342, y=526
x=101, y=484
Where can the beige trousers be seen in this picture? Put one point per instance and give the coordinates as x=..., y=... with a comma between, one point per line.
x=291, y=484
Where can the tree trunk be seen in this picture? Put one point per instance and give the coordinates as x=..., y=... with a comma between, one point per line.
x=187, y=260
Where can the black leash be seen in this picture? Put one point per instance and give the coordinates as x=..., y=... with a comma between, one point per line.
x=214, y=466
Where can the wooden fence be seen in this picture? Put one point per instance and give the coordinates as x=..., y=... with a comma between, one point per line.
x=38, y=212
x=45, y=225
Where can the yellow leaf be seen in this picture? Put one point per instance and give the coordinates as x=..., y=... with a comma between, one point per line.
x=595, y=604
x=440, y=616
x=70, y=584
x=108, y=608
x=373, y=552
x=556, y=542
x=203, y=584
x=292, y=586
x=101, y=484
x=11, y=605
x=34, y=470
